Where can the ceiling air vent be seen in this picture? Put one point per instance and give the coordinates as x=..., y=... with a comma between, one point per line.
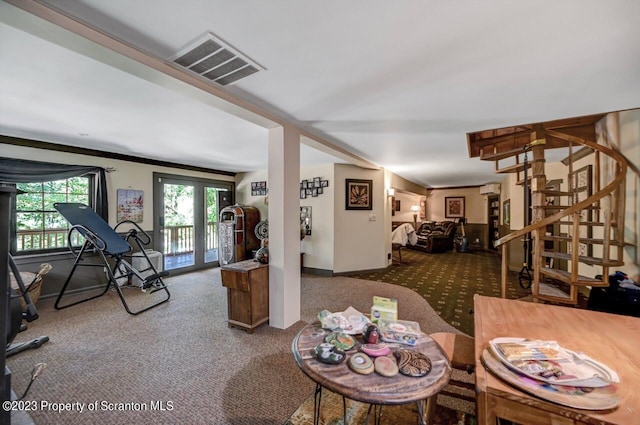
x=211, y=58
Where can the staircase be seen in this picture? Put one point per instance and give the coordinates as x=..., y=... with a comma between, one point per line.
x=588, y=224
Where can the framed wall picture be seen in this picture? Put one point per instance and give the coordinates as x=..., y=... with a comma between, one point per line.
x=581, y=186
x=506, y=212
x=454, y=207
x=358, y=194
x=423, y=209
x=130, y=205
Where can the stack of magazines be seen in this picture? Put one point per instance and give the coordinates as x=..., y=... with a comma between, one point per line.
x=547, y=361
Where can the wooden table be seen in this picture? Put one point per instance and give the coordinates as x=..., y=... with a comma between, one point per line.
x=247, y=284
x=373, y=389
x=611, y=339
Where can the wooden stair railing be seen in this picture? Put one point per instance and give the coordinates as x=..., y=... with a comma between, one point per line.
x=612, y=216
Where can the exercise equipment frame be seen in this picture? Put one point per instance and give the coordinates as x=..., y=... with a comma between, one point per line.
x=100, y=238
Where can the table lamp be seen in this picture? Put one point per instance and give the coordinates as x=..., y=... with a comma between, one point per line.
x=415, y=209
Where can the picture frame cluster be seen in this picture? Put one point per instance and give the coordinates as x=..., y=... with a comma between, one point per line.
x=258, y=188
x=313, y=187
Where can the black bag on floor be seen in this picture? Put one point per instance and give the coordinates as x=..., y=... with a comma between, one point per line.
x=615, y=299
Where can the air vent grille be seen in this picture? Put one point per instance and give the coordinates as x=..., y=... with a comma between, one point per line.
x=213, y=59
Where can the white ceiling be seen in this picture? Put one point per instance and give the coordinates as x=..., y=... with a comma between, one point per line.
x=398, y=83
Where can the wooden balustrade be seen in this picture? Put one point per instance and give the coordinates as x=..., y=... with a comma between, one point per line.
x=177, y=239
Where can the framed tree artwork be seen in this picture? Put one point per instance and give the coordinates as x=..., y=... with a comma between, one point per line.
x=454, y=207
x=358, y=194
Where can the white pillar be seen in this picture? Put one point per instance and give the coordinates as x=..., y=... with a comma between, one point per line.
x=284, y=226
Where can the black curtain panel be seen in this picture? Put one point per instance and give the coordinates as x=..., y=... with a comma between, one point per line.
x=25, y=171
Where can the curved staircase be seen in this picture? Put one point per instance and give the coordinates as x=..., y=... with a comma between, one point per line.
x=589, y=227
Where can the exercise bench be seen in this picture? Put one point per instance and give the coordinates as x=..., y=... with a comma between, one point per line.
x=103, y=240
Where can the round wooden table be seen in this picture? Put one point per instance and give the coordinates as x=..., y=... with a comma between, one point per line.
x=373, y=389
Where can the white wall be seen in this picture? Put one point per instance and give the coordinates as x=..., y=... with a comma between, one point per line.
x=359, y=236
x=475, y=204
x=406, y=201
x=243, y=191
x=319, y=247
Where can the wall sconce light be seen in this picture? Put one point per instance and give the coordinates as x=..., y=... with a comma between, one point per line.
x=415, y=209
x=391, y=192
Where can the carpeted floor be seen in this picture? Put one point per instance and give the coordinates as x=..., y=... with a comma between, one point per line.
x=449, y=280
x=180, y=363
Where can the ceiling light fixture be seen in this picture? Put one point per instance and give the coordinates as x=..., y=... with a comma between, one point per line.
x=215, y=60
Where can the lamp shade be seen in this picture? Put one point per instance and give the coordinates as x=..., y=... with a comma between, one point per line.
x=415, y=208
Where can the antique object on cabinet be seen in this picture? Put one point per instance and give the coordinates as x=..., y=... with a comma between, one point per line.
x=247, y=284
x=237, y=233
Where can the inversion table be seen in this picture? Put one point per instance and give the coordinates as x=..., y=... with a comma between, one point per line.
x=100, y=238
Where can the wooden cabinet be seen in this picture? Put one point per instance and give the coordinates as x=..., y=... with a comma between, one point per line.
x=247, y=284
x=493, y=203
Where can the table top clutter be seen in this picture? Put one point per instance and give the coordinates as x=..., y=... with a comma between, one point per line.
x=428, y=364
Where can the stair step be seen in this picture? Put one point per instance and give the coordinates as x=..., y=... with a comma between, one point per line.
x=583, y=259
x=517, y=168
x=584, y=223
x=553, y=294
x=555, y=192
x=582, y=240
x=501, y=155
x=564, y=276
x=564, y=207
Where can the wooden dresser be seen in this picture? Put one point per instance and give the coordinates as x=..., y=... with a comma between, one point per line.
x=247, y=284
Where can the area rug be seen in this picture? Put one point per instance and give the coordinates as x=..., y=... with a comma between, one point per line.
x=331, y=413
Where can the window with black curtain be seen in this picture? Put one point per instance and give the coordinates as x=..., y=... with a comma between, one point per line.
x=36, y=227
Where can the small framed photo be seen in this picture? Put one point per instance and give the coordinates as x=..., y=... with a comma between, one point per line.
x=304, y=184
x=303, y=194
x=314, y=192
x=320, y=190
x=316, y=182
x=324, y=183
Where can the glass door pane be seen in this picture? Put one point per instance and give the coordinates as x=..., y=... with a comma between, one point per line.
x=178, y=231
x=211, y=224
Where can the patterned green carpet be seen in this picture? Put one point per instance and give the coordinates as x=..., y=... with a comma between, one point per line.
x=449, y=280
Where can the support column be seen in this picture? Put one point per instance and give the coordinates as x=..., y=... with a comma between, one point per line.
x=284, y=226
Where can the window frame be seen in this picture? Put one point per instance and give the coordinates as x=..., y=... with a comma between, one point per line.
x=92, y=194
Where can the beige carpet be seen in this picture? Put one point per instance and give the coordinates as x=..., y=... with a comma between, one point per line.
x=181, y=356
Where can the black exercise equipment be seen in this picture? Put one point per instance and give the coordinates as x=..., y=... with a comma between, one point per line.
x=29, y=314
x=100, y=238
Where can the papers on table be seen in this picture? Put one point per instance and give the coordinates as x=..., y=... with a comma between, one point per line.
x=547, y=361
x=350, y=321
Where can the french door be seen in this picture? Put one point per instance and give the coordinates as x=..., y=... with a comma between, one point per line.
x=186, y=212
